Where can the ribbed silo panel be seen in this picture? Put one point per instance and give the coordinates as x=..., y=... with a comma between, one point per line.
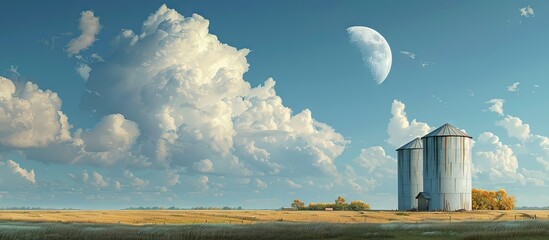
x=447, y=170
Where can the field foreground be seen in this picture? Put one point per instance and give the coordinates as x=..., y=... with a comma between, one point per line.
x=130, y=217
x=265, y=224
x=520, y=229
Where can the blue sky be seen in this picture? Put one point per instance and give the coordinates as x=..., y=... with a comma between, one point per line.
x=179, y=111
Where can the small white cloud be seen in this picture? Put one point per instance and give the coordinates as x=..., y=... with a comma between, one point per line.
x=260, y=184
x=425, y=64
x=81, y=58
x=98, y=180
x=90, y=27
x=97, y=57
x=536, y=86
x=134, y=180
x=513, y=87
x=84, y=71
x=526, y=11
x=413, y=56
x=497, y=106
x=409, y=54
x=202, y=183
x=292, y=184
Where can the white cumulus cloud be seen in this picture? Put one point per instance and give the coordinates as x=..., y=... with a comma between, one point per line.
x=111, y=142
x=402, y=131
x=375, y=161
x=185, y=90
x=90, y=27
x=111, y=133
x=498, y=160
x=30, y=117
x=515, y=127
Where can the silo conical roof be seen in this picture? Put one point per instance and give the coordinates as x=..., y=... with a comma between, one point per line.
x=414, y=144
x=446, y=130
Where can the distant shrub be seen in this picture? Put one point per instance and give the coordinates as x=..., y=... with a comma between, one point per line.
x=339, y=205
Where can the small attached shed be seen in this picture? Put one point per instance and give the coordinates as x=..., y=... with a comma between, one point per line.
x=423, y=199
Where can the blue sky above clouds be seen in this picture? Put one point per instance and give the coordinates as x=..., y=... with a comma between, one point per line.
x=204, y=103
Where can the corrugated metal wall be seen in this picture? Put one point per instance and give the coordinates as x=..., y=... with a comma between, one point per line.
x=447, y=172
x=410, y=177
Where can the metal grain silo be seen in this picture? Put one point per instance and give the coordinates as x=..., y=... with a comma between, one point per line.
x=447, y=169
x=410, y=174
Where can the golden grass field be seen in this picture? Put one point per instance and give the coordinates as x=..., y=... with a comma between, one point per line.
x=140, y=217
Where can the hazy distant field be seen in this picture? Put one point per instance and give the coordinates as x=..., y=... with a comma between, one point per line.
x=254, y=216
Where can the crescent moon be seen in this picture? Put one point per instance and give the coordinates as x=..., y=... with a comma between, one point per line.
x=376, y=52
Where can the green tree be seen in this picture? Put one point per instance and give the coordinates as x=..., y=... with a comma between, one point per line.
x=298, y=204
x=340, y=201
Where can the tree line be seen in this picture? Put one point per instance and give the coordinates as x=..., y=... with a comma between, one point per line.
x=340, y=204
x=176, y=208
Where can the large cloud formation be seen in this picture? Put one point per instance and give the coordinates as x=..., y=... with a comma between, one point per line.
x=185, y=91
x=501, y=161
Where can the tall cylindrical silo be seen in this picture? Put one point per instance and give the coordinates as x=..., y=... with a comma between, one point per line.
x=447, y=169
x=410, y=174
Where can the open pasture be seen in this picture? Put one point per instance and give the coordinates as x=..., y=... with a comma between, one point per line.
x=151, y=217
